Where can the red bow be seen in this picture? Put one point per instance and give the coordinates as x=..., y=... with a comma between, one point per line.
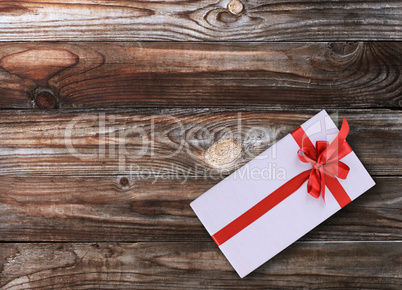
x=325, y=160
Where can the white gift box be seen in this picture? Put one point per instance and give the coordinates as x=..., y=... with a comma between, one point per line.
x=288, y=220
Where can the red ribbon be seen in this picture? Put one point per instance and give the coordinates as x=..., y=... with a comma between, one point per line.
x=326, y=166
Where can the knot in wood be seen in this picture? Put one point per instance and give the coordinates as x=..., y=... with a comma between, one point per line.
x=124, y=181
x=235, y=7
x=224, y=152
x=44, y=99
x=344, y=48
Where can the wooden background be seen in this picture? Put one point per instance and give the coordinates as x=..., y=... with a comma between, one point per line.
x=84, y=221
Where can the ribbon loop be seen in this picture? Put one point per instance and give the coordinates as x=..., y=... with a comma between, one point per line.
x=325, y=159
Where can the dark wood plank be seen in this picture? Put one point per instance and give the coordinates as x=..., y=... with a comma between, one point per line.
x=174, y=142
x=196, y=265
x=276, y=75
x=186, y=20
x=157, y=209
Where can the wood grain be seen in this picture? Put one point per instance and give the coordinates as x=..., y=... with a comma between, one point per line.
x=275, y=75
x=196, y=266
x=184, y=20
x=172, y=142
x=157, y=209
x=108, y=132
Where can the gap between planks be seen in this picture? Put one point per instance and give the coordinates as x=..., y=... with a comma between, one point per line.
x=193, y=242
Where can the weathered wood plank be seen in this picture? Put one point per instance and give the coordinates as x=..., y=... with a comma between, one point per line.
x=196, y=265
x=173, y=142
x=304, y=75
x=114, y=209
x=209, y=20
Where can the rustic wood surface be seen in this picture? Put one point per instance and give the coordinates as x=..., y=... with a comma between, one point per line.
x=82, y=80
x=103, y=209
x=196, y=265
x=133, y=141
x=209, y=20
x=48, y=195
x=332, y=75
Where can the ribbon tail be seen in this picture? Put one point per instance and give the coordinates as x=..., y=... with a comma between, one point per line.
x=337, y=191
x=323, y=185
x=314, y=183
x=260, y=208
x=338, y=146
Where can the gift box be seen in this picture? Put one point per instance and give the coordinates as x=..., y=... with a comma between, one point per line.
x=283, y=193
